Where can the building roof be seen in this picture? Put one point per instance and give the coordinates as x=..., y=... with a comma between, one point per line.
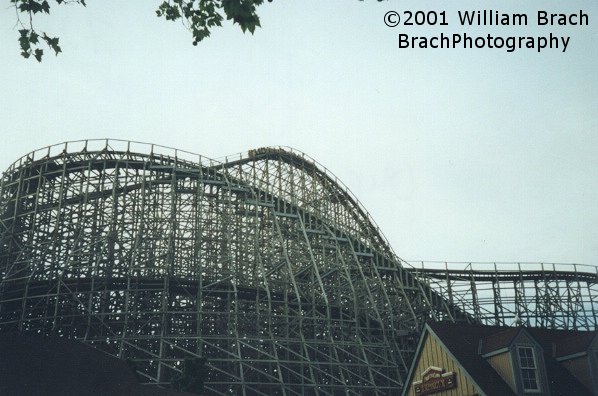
x=572, y=344
x=463, y=341
x=467, y=343
x=499, y=340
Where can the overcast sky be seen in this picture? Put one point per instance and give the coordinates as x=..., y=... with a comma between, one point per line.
x=459, y=155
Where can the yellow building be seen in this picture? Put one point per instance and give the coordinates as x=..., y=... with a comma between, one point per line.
x=466, y=360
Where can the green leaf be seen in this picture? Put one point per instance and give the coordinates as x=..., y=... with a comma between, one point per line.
x=24, y=43
x=55, y=46
x=52, y=43
x=33, y=37
x=35, y=6
x=38, y=54
x=171, y=13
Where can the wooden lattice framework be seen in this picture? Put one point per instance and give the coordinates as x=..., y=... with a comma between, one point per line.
x=262, y=263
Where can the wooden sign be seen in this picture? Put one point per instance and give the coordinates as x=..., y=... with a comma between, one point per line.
x=434, y=380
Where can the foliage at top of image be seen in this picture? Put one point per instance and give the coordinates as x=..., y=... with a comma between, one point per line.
x=199, y=16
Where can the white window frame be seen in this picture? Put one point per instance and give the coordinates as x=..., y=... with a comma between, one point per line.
x=535, y=369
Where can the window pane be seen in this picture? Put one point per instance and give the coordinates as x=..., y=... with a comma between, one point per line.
x=527, y=365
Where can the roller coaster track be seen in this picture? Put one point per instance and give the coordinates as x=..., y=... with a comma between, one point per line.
x=547, y=295
x=504, y=275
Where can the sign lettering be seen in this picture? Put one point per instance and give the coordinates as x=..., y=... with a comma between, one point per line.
x=434, y=380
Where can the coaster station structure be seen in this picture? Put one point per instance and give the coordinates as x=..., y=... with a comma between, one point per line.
x=263, y=263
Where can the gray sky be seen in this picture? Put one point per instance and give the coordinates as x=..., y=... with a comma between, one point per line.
x=459, y=155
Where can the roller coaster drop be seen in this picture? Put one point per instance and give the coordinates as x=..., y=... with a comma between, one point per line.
x=264, y=264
